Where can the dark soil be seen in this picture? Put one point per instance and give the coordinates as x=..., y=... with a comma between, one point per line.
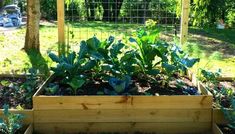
x=226, y=129
x=138, y=87
x=13, y=95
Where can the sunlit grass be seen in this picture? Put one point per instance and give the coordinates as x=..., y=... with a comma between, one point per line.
x=13, y=59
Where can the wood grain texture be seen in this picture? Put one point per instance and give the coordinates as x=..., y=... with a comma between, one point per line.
x=141, y=115
x=216, y=129
x=122, y=102
x=218, y=116
x=29, y=129
x=184, y=21
x=159, y=128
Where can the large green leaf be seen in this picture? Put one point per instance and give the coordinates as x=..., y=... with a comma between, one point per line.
x=189, y=62
x=116, y=49
x=54, y=57
x=93, y=43
x=71, y=58
x=169, y=68
x=153, y=72
x=76, y=83
x=89, y=65
x=107, y=43
x=83, y=50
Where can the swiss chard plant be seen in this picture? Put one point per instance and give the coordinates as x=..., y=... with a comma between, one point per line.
x=146, y=49
x=10, y=123
x=156, y=57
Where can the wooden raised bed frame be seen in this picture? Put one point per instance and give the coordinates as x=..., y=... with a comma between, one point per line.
x=28, y=113
x=216, y=129
x=162, y=114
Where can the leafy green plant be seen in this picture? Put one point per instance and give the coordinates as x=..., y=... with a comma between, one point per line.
x=146, y=49
x=120, y=86
x=229, y=113
x=170, y=57
x=10, y=123
x=30, y=85
x=71, y=69
x=208, y=76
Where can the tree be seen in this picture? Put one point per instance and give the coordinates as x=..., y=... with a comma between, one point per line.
x=208, y=12
x=32, y=32
x=111, y=9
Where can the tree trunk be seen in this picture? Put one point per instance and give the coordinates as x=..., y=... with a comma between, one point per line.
x=116, y=7
x=92, y=10
x=107, y=10
x=32, y=32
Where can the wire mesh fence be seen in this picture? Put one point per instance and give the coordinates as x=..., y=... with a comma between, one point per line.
x=120, y=18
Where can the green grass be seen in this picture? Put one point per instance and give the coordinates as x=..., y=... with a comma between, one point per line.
x=216, y=48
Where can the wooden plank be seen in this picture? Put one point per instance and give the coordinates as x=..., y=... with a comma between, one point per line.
x=226, y=78
x=203, y=89
x=218, y=116
x=122, y=102
x=29, y=129
x=18, y=75
x=141, y=115
x=27, y=113
x=166, y=128
x=44, y=84
x=184, y=21
x=12, y=76
x=61, y=26
x=216, y=129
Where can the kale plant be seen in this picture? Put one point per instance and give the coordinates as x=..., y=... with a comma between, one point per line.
x=10, y=123
x=71, y=69
x=178, y=61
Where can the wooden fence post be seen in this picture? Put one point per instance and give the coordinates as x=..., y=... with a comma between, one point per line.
x=184, y=21
x=61, y=27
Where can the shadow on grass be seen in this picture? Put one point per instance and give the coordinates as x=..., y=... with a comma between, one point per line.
x=212, y=40
x=38, y=62
x=225, y=35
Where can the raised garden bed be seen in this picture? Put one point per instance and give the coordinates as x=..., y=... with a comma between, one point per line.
x=223, y=91
x=17, y=90
x=163, y=114
x=14, y=121
x=112, y=87
x=222, y=129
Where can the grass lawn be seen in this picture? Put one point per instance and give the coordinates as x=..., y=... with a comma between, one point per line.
x=216, y=48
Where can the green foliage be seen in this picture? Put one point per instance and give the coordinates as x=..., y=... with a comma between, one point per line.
x=146, y=50
x=113, y=61
x=149, y=48
x=72, y=68
x=229, y=114
x=224, y=97
x=208, y=76
x=120, y=86
x=208, y=12
x=10, y=123
x=30, y=85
